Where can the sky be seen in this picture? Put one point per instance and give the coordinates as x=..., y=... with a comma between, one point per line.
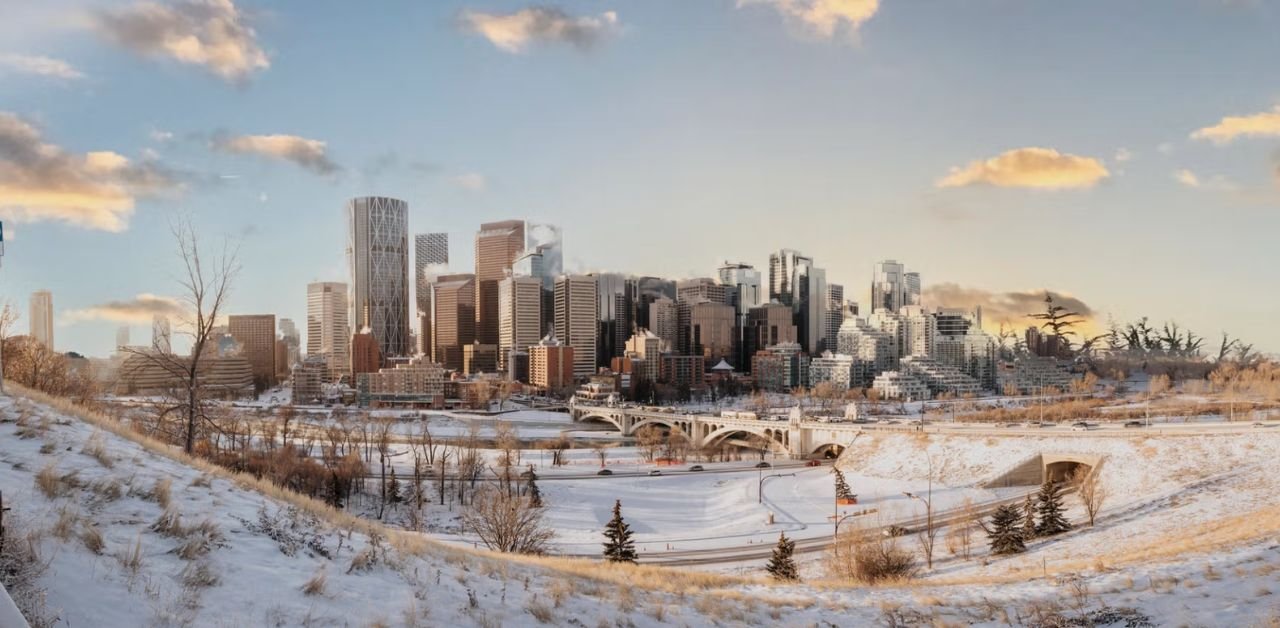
x=1124, y=153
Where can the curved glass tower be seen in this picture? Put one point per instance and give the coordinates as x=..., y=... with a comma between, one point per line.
x=378, y=262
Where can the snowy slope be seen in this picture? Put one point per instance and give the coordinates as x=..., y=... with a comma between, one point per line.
x=251, y=575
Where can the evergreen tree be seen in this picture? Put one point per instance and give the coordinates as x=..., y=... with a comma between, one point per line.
x=781, y=565
x=842, y=487
x=618, y=545
x=531, y=489
x=1028, y=519
x=392, y=492
x=1004, y=533
x=1050, y=510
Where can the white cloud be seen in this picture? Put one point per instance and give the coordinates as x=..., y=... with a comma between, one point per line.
x=1216, y=182
x=1031, y=167
x=1165, y=148
x=1123, y=155
x=824, y=18
x=470, y=181
x=40, y=66
x=209, y=33
x=513, y=32
x=1264, y=124
x=42, y=182
x=307, y=153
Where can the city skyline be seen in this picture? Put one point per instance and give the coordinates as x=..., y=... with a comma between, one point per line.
x=887, y=145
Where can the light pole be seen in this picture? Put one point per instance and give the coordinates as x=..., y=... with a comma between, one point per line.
x=835, y=534
x=928, y=512
x=763, y=477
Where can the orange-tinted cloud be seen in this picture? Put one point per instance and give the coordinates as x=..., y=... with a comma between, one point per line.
x=514, y=32
x=824, y=18
x=39, y=66
x=307, y=153
x=1031, y=167
x=1265, y=124
x=212, y=34
x=1011, y=307
x=42, y=182
x=139, y=309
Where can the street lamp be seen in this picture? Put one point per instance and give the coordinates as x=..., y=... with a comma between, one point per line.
x=763, y=477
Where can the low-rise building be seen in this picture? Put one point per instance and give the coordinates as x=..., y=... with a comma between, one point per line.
x=834, y=368
x=418, y=383
x=897, y=385
x=1034, y=375
x=781, y=367
x=940, y=378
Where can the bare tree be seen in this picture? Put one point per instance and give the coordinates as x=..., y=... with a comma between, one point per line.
x=960, y=533
x=1089, y=490
x=602, y=451
x=649, y=438
x=206, y=281
x=508, y=523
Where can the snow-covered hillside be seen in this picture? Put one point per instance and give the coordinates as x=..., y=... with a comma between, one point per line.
x=126, y=536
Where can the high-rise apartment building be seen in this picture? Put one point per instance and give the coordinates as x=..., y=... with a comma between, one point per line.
x=519, y=316
x=911, y=289
x=453, y=299
x=378, y=262
x=328, y=331
x=42, y=317
x=256, y=335
x=498, y=244
x=551, y=364
x=575, y=307
x=161, y=334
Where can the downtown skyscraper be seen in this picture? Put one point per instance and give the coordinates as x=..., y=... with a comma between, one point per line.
x=378, y=263
x=498, y=244
x=328, y=330
x=430, y=260
x=42, y=317
x=575, y=307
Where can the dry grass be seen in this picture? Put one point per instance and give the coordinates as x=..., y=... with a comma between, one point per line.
x=162, y=493
x=169, y=524
x=199, y=575
x=97, y=448
x=49, y=482
x=65, y=526
x=91, y=536
x=131, y=559
x=540, y=611
x=316, y=584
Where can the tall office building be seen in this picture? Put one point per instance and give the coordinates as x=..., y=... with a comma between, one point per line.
x=328, y=330
x=430, y=259
x=453, y=299
x=161, y=334
x=575, y=297
x=782, y=270
x=644, y=291
x=546, y=241
x=498, y=244
x=892, y=287
x=256, y=335
x=613, y=316
x=292, y=344
x=664, y=322
x=704, y=289
x=833, y=317
x=767, y=325
x=378, y=259
x=712, y=332
x=519, y=316
x=745, y=279
x=122, y=337
x=809, y=303
x=42, y=317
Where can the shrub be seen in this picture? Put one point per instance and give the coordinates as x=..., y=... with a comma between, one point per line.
x=316, y=585
x=96, y=447
x=871, y=558
x=91, y=536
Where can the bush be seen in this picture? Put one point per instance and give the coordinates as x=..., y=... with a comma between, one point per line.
x=871, y=558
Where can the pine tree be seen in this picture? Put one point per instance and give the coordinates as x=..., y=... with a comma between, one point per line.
x=531, y=489
x=392, y=493
x=781, y=565
x=842, y=487
x=1004, y=533
x=618, y=545
x=1050, y=510
x=1028, y=519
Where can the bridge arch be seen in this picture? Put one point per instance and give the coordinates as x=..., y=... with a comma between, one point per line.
x=827, y=451
x=684, y=425
x=724, y=432
x=600, y=418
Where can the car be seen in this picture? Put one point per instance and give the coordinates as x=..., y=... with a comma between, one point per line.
x=1133, y=424
x=894, y=531
x=1045, y=424
x=604, y=472
x=813, y=463
x=1011, y=425
x=1080, y=426
x=1259, y=424
x=696, y=467
x=655, y=472
x=763, y=465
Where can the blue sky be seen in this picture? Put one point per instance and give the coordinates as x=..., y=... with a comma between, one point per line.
x=666, y=136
